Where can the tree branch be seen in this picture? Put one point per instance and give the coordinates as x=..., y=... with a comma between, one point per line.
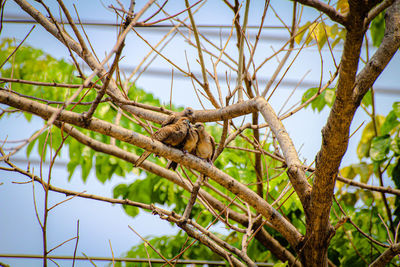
x=280, y=223
x=335, y=137
x=296, y=173
x=206, y=85
x=369, y=187
x=262, y=236
x=386, y=50
x=149, y=207
x=112, y=89
x=376, y=11
x=386, y=256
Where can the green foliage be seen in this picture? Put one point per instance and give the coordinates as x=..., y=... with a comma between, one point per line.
x=378, y=151
x=325, y=98
x=378, y=29
x=281, y=264
x=169, y=246
x=33, y=64
x=348, y=246
x=379, y=146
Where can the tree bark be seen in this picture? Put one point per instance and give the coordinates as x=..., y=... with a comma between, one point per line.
x=335, y=135
x=386, y=256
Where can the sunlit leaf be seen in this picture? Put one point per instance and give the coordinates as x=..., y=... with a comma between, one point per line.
x=329, y=96
x=396, y=109
x=30, y=147
x=348, y=172
x=302, y=30
x=367, y=99
x=395, y=145
x=342, y=6
x=368, y=133
x=332, y=31
x=320, y=35
x=380, y=147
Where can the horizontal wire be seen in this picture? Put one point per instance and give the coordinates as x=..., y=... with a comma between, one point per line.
x=178, y=261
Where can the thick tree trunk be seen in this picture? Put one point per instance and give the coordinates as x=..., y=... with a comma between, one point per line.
x=335, y=135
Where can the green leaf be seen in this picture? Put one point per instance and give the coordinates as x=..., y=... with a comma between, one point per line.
x=42, y=145
x=132, y=211
x=378, y=29
x=368, y=133
x=102, y=168
x=71, y=166
x=28, y=116
x=379, y=148
x=308, y=94
x=120, y=190
x=395, y=145
x=332, y=30
x=349, y=199
x=390, y=123
x=86, y=162
x=396, y=109
x=329, y=96
x=396, y=174
x=367, y=99
x=320, y=35
x=325, y=98
x=281, y=264
x=30, y=147
x=341, y=36
x=348, y=172
x=362, y=169
x=55, y=138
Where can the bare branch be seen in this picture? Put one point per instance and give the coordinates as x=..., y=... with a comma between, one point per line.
x=293, y=33
x=192, y=200
x=241, y=38
x=281, y=224
x=330, y=11
x=386, y=256
x=16, y=48
x=376, y=11
x=150, y=245
x=205, y=84
x=386, y=50
x=295, y=171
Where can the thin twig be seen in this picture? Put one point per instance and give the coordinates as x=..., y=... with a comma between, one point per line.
x=18, y=46
x=358, y=228
x=76, y=244
x=205, y=83
x=150, y=245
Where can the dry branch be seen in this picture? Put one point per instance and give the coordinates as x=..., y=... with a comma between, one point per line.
x=386, y=256
x=276, y=219
x=330, y=11
x=335, y=134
